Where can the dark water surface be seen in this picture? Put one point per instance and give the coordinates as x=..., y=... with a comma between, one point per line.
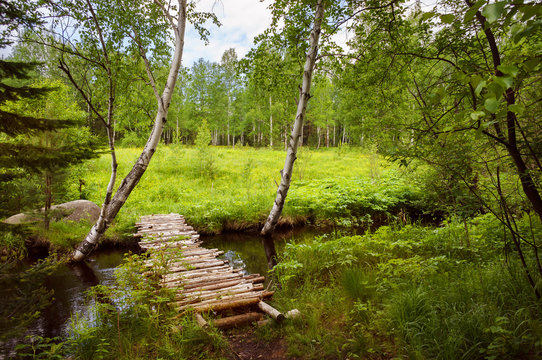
x=246, y=250
x=69, y=283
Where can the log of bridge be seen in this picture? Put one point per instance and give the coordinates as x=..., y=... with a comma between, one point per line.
x=237, y=320
x=219, y=305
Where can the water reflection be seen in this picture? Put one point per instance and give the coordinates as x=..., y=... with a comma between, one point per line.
x=246, y=250
x=69, y=283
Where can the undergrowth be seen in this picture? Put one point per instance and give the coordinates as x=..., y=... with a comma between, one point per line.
x=410, y=292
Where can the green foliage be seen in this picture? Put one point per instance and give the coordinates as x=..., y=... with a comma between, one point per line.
x=12, y=245
x=24, y=295
x=411, y=291
x=354, y=198
x=30, y=157
x=240, y=195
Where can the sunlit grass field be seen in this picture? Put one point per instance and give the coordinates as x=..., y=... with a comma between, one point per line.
x=235, y=192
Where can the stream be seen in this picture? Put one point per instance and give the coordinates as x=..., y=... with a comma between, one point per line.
x=70, y=283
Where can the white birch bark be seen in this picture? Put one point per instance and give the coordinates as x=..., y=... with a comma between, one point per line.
x=110, y=210
x=286, y=172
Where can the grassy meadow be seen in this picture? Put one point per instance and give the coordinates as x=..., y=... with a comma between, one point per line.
x=234, y=189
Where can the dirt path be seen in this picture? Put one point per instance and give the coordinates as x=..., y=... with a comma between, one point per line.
x=245, y=345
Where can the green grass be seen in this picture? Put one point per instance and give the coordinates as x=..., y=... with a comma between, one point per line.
x=238, y=193
x=411, y=292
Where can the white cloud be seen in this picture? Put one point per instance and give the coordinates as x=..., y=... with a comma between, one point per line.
x=241, y=21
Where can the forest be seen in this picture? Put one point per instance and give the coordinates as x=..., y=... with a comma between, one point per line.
x=379, y=161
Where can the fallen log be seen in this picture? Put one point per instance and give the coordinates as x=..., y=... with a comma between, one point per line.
x=237, y=320
x=271, y=311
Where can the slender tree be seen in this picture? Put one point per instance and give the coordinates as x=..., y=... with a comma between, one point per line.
x=286, y=173
x=112, y=204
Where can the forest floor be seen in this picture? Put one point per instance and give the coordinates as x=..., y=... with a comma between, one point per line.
x=245, y=344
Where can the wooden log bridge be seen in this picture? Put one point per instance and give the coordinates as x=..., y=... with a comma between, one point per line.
x=202, y=281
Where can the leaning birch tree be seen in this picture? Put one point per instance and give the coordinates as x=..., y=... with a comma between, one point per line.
x=112, y=204
x=286, y=172
x=101, y=35
x=176, y=18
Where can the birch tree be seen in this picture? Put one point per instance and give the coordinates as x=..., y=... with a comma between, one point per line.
x=97, y=34
x=286, y=172
x=176, y=18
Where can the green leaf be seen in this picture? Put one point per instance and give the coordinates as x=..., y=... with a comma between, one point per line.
x=508, y=70
x=475, y=80
x=530, y=64
x=447, y=18
x=428, y=15
x=505, y=81
x=517, y=108
x=496, y=89
x=480, y=87
x=491, y=105
x=477, y=115
x=529, y=11
x=493, y=11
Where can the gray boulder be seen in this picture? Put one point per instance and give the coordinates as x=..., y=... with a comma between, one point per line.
x=72, y=211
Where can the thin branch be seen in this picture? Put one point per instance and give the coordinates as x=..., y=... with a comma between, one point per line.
x=166, y=13
x=150, y=75
x=64, y=67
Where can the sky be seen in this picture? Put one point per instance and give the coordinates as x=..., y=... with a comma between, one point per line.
x=241, y=20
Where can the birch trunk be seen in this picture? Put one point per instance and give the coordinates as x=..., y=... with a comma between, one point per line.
x=286, y=172
x=110, y=210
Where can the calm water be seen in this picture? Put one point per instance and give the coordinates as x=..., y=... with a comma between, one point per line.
x=70, y=282
x=246, y=250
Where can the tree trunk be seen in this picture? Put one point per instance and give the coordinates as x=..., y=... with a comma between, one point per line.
x=318, y=134
x=109, y=211
x=177, y=135
x=270, y=123
x=286, y=172
x=48, y=198
x=327, y=135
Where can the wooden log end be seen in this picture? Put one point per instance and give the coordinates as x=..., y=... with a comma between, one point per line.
x=271, y=311
x=201, y=321
x=292, y=314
